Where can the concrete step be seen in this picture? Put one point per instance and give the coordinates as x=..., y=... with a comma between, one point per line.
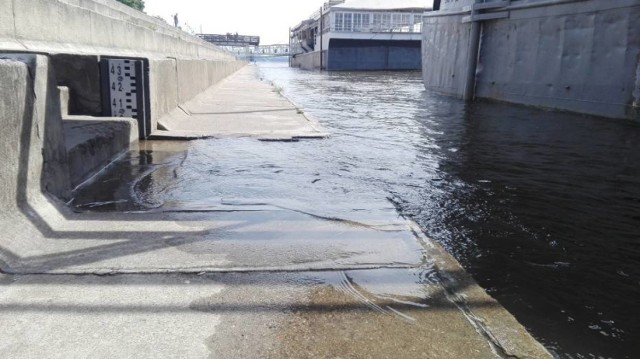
x=94, y=142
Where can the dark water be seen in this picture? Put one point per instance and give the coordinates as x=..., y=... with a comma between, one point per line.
x=542, y=208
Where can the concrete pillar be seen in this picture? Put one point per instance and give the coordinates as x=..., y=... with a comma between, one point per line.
x=636, y=92
x=32, y=141
x=16, y=98
x=472, y=59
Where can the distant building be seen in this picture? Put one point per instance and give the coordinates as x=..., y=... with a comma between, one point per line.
x=360, y=35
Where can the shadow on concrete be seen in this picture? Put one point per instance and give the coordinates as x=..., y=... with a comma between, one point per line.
x=130, y=233
x=93, y=144
x=231, y=307
x=442, y=295
x=29, y=199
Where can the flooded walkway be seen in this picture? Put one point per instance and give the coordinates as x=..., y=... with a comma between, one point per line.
x=242, y=105
x=239, y=248
x=234, y=277
x=540, y=207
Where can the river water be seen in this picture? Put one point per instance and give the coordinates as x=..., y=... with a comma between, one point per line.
x=541, y=207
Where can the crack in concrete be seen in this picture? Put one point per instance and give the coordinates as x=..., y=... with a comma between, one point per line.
x=636, y=91
x=324, y=218
x=15, y=26
x=245, y=112
x=6, y=271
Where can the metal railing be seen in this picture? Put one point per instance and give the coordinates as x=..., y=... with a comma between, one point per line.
x=248, y=52
x=231, y=39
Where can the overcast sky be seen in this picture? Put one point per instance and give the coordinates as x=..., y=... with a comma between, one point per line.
x=269, y=19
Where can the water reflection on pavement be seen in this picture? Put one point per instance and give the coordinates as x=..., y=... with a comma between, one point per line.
x=542, y=208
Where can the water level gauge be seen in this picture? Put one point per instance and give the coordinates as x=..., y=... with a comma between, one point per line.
x=124, y=92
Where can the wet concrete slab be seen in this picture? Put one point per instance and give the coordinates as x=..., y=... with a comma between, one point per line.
x=347, y=314
x=259, y=273
x=237, y=284
x=242, y=105
x=214, y=241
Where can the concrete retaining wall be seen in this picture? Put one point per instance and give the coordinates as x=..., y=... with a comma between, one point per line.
x=163, y=76
x=445, y=48
x=93, y=144
x=308, y=61
x=98, y=27
x=78, y=33
x=70, y=38
x=194, y=76
x=32, y=139
x=81, y=75
x=371, y=55
x=176, y=81
x=363, y=55
x=15, y=109
x=580, y=56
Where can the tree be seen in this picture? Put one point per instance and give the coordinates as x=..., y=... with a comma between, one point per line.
x=136, y=4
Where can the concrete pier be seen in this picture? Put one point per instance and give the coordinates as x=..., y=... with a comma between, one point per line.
x=580, y=56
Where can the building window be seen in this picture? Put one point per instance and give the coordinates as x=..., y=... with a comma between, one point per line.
x=339, y=21
x=361, y=22
x=343, y=21
x=406, y=20
x=348, y=21
x=357, y=22
x=416, y=26
x=386, y=22
x=380, y=22
x=396, y=21
x=377, y=22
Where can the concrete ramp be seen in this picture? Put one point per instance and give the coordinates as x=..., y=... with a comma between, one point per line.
x=241, y=105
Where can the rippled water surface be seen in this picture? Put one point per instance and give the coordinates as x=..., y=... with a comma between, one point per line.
x=542, y=208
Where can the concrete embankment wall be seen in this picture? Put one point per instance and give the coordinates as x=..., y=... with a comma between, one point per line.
x=310, y=60
x=363, y=55
x=373, y=55
x=32, y=138
x=45, y=44
x=78, y=33
x=581, y=56
x=104, y=27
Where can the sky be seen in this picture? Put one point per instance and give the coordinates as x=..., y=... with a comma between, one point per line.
x=269, y=19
